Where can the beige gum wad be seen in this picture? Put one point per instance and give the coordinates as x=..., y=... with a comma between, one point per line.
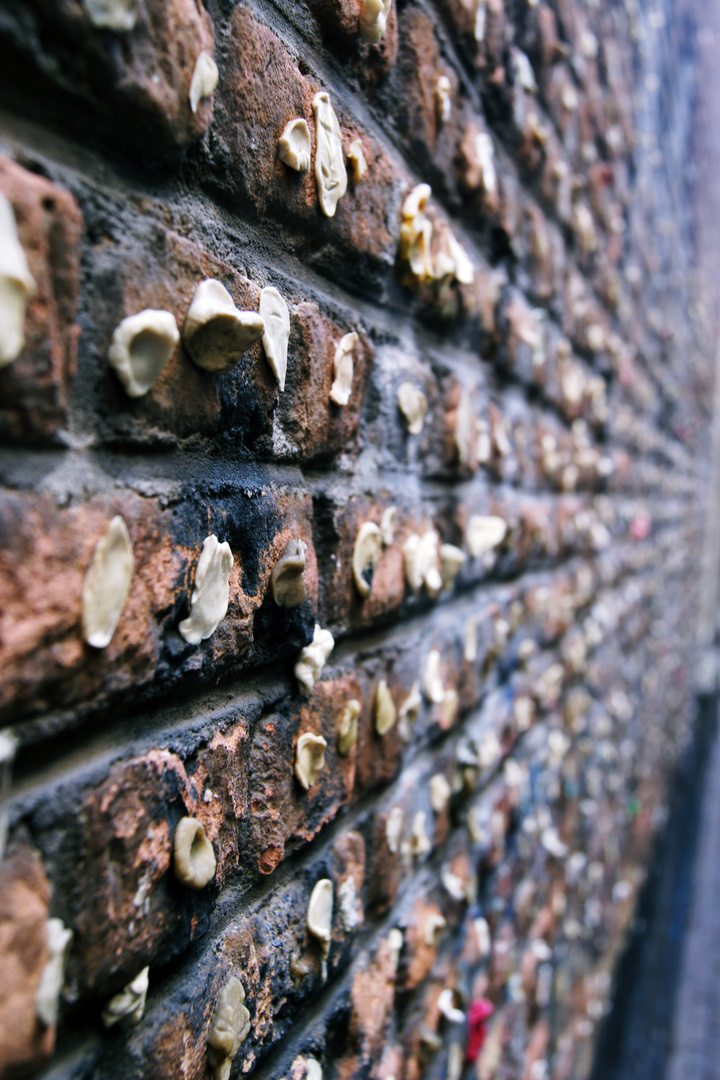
x=275, y=314
x=329, y=159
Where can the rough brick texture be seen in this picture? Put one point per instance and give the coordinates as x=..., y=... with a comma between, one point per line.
x=491, y=842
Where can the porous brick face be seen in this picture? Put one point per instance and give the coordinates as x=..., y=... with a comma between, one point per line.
x=485, y=830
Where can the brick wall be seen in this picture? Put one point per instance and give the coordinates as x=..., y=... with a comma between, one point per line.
x=491, y=841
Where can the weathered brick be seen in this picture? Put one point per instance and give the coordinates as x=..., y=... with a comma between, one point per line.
x=262, y=89
x=413, y=101
x=283, y=815
x=134, y=84
x=24, y=897
x=339, y=20
x=307, y=424
x=36, y=386
x=138, y=909
x=45, y=654
x=161, y=270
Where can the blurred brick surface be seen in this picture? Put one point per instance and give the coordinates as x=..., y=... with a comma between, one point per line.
x=137, y=81
x=24, y=895
x=36, y=387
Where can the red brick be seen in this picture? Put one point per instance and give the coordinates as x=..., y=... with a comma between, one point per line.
x=127, y=855
x=420, y=948
x=161, y=270
x=222, y=770
x=132, y=86
x=372, y=995
x=341, y=601
x=544, y=256
x=349, y=862
x=24, y=896
x=315, y=428
x=268, y=948
x=384, y=869
x=283, y=815
x=414, y=96
x=262, y=89
x=35, y=388
x=45, y=657
x=243, y=406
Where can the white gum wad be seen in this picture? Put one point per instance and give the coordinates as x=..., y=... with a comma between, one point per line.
x=17, y=285
x=209, y=601
x=215, y=333
x=112, y=14
x=373, y=19
x=413, y=406
x=204, y=80
x=313, y=657
x=329, y=159
x=229, y=1029
x=343, y=368
x=140, y=348
x=276, y=317
x=294, y=145
x=107, y=584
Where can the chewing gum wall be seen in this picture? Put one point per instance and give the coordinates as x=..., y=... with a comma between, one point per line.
x=352, y=422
